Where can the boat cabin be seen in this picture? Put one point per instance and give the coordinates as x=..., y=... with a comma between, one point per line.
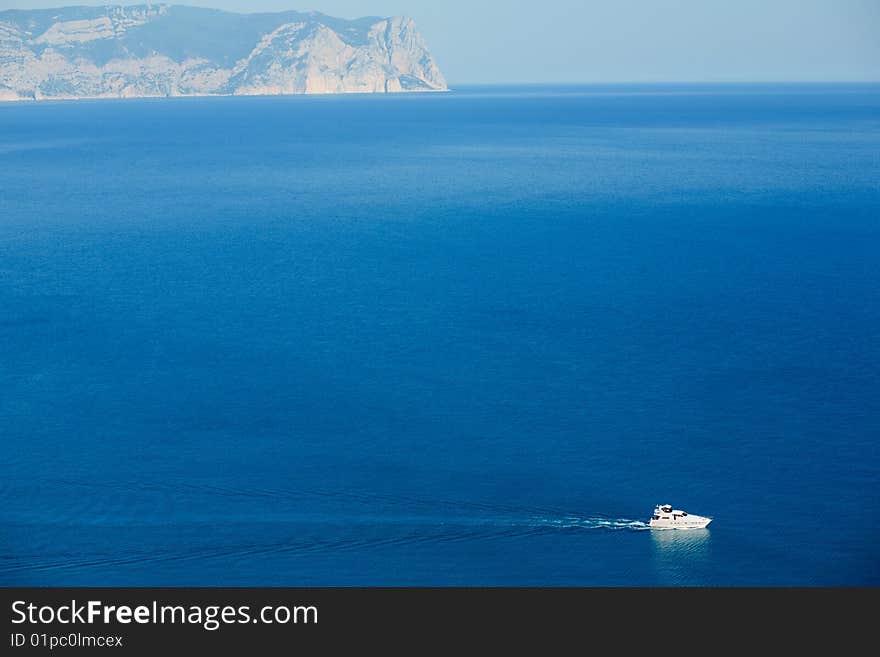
x=666, y=516
x=666, y=512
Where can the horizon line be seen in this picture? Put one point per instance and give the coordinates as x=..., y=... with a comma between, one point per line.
x=574, y=83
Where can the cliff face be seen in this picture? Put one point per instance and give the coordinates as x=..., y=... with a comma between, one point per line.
x=161, y=50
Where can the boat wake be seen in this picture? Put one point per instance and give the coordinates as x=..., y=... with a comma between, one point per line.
x=625, y=524
x=318, y=505
x=164, y=523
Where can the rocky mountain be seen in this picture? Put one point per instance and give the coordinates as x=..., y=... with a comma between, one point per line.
x=168, y=50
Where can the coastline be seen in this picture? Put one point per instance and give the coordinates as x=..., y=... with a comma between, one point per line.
x=20, y=99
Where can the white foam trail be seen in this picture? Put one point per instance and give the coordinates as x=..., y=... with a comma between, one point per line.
x=594, y=523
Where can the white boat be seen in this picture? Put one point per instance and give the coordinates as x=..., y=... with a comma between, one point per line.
x=665, y=517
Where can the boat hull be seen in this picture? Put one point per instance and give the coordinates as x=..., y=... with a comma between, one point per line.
x=690, y=522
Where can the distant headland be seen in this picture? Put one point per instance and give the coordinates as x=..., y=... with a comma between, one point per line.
x=168, y=50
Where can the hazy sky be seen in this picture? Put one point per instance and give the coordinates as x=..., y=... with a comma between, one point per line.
x=617, y=40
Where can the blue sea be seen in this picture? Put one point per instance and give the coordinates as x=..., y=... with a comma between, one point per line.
x=467, y=338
